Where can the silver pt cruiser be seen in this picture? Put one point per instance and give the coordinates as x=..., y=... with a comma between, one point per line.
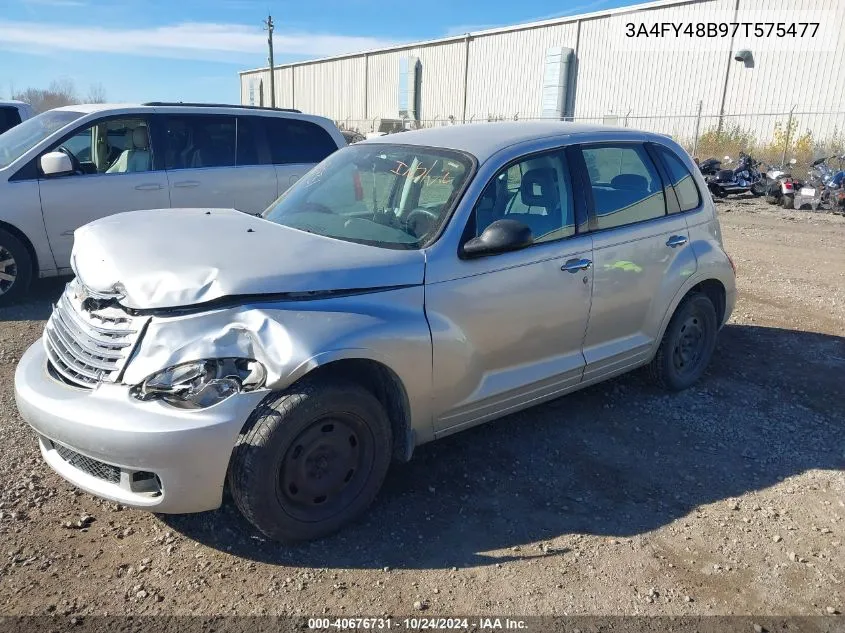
x=401, y=291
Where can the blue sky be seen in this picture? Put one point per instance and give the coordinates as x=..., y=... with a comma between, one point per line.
x=191, y=50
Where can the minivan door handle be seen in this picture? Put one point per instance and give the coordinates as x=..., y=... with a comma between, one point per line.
x=150, y=186
x=574, y=265
x=676, y=240
x=184, y=184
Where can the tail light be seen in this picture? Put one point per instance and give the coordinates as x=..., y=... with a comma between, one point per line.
x=787, y=184
x=359, y=189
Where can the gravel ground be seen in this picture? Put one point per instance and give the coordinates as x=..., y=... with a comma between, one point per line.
x=725, y=499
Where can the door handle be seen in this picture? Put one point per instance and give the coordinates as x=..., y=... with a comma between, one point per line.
x=184, y=184
x=574, y=265
x=676, y=240
x=150, y=186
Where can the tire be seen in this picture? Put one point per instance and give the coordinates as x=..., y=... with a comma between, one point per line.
x=687, y=344
x=788, y=201
x=757, y=190
x=15, y=268
x=310, y=460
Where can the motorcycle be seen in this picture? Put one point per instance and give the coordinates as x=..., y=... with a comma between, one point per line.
x=744, y=178
x=779, y=184
x=825, y=188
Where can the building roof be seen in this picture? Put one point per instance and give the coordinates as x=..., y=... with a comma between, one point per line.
x=482, y=140
x=656, y=4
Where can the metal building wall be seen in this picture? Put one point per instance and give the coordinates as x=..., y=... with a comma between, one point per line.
x=505, y=75
x=660, y=90
x=442, y=81
x=616, y=81
x=781, y=79
x=335, y=89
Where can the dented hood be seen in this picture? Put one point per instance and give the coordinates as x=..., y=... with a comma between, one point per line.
x=167, y=258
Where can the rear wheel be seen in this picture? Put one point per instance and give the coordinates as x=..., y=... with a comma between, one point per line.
x=687, y=344
x=15, y=268
x=788, y=201
x=311, y=460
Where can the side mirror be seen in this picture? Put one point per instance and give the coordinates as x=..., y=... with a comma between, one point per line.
x=56, y=164
x=500, y=237
x=792, y=161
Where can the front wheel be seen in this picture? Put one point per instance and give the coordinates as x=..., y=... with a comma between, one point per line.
x=687, y=344
x=15, y=268
x=311, y=460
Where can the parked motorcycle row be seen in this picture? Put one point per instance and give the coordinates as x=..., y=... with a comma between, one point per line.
x=822, y=190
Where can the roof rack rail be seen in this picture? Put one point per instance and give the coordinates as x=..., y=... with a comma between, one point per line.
x=218, y=105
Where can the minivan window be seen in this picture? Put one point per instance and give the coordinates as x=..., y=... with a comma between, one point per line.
x=391, y=196
x=534, y=191
x=625, y=183
x=111, y=146
x=681, y=179
x=197, y=141
x=9, y=118
x=294, y=141
x=252, y=146
x=20, y=139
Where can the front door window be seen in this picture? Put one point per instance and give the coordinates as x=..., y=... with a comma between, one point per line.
x=114, y=146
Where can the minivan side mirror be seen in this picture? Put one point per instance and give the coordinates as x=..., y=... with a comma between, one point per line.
x=500, y=237
x=56, y=164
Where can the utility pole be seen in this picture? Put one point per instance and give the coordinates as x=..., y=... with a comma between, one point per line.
x=268, y=24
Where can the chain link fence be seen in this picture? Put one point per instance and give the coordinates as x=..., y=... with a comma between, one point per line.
x=770, y=137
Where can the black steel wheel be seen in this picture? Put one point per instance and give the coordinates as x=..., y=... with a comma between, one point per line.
x=326, y=466
x=310, y=459
x=687, y=344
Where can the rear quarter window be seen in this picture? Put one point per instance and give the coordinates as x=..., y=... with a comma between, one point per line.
x=294, y=141
x=681, y=179
x=9, y=118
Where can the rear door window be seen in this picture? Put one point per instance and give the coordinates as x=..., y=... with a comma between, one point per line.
x=293, y=141
x=625, y=185
x=253, y=148
x=200, y=141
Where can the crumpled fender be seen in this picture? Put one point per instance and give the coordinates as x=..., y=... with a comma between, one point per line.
x=292, y=338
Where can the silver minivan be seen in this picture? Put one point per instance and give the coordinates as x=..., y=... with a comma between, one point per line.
x=69, y=166
x=408, y=287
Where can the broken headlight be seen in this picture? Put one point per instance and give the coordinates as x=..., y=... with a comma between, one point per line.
x=201, y=384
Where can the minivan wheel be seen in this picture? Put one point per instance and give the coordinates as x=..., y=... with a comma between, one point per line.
x=310, y=460
x=687, y=344
x=15, y=268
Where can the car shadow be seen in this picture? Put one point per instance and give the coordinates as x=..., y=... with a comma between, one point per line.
x=38, y=302
x=618, y=459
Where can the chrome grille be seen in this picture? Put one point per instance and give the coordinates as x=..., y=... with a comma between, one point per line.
x=86, y=347
x=93, y=467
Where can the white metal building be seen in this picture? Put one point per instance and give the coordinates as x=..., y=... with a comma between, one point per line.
x=584, y=67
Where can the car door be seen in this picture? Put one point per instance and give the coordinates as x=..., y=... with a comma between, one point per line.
x=507, y=329
x=296, y=146
x=640, y=254
x=116, y=171
x=200, y=160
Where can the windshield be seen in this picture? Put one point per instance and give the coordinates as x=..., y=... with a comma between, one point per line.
x=392, y=196
x=20, y=139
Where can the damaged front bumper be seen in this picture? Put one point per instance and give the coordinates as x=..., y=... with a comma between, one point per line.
x=146, y=455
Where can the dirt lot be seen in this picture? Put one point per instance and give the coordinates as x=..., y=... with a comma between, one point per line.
x=726, y=499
